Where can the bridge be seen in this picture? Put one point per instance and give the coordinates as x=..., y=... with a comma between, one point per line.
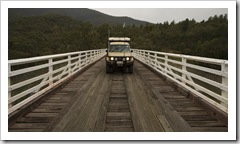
x=71, y=92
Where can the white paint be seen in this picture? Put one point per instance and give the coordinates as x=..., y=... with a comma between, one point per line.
x=149, y=58
x=84, y=57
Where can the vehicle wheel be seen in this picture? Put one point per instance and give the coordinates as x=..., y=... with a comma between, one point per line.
x=108, y=68
x=130, y=69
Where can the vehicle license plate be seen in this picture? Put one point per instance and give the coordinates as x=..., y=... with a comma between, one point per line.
x=119, y=62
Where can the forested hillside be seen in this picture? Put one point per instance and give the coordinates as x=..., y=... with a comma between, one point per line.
x=53, y=34
x=81, y=14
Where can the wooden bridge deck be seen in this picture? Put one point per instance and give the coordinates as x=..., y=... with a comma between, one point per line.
x=95, y=101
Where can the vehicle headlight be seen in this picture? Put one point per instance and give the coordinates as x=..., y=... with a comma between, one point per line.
x=123, y=59
x=127, y=58
x=112, y=58
x=116, y=59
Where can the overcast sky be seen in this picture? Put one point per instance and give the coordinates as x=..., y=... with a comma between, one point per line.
x=160, y=15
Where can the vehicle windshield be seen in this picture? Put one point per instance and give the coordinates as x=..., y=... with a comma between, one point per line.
x=119, y=48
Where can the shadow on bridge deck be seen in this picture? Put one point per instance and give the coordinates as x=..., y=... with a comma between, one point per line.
x=96, y=101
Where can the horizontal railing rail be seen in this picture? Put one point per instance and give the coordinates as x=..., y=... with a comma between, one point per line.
x=205, y=77
x=31, y=77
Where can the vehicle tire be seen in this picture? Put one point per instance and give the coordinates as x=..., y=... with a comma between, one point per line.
x=108, y=68
x=130, y=69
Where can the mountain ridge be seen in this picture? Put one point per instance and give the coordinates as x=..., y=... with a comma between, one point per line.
x=81, y=14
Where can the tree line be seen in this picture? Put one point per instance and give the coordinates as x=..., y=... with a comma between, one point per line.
x=53, y=34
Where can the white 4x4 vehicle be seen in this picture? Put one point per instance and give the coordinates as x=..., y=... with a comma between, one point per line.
x=119, y=54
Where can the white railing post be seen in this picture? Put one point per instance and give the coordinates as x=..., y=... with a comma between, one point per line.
x=69, y=64
x=50, y=71
x=155, y=60
x=142, y=56
x=184, y=61
x=87, y=57
x=166, y=64
x=93, y=55
x=79, y=61
x=9, y=84
x=147, y=57
x=224, y=69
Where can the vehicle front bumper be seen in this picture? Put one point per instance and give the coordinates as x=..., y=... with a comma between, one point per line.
x=120, y=62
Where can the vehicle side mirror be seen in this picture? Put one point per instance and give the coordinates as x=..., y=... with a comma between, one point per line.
x=131, y=50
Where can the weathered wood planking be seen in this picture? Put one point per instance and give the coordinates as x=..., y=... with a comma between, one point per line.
x=118, y=113
x=118, y=102
x=47, y=112
x=198, y=118
x=156, y=102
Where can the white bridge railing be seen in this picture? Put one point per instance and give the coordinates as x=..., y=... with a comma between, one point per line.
x=205, y=77
x=31, y=77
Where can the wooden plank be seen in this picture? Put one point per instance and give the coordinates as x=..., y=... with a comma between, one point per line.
x=163, y=107
x=69, y=120
x=117, y=78
x=118, y=100
x=77, y=122
x=54, y=104
x=198, y=118
x=93, y=117
x=59, y=122
x=182, y=109
x=117, y=105
x=118, y=95
x=49, y=110
x=164, y=123
x=142, y=98
x=67, y=89
x=134, y=108
x=41, y=114
x=89, y=114
x=174, y=93
x=194, y=113
x=59, y=99
x=182, y=101
x=50, y=107
x=210, y=129
x=120, y=114
x=35, y=120
x=206, y=124
x=154, y=79
x=101, y=116
x=119, y=124
x=29, y=125
x=175, y=97
x=182, y=104
x=25, y=130
x=63, y=100
x=121, y=129
x=119, y=108
x=118, y=91
x=165, y=89
x=112, y=119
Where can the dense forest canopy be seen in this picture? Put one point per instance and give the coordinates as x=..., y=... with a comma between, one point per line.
x=53, y=34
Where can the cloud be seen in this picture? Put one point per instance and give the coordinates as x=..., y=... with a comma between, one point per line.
x=160, y=15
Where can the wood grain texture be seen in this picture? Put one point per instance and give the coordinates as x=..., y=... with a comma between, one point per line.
x=120, y=102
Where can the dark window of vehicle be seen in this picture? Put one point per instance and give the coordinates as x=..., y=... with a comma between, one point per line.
x=119, y=48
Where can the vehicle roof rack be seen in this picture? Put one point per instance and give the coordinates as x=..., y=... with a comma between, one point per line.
x=119, y=39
